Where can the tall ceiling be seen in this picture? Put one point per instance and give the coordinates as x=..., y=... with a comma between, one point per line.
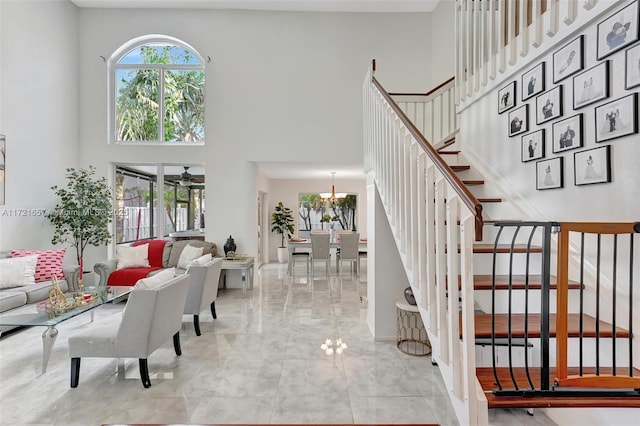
x=289, y=5
x=283, y=170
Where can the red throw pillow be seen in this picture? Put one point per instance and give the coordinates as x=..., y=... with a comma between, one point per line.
x=156, y=247
x=49, y=262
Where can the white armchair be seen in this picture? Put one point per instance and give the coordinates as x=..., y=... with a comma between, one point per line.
x=150, y=318
x=203, y=290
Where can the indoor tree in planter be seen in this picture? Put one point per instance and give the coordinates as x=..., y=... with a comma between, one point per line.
x=83, y=212
x=282, y=223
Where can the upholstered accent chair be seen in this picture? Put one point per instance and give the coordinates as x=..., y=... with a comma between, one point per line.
x=150, y=318
x=203, y=290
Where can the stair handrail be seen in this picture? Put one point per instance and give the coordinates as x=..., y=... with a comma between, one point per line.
x=440, y=88
x=466, y=196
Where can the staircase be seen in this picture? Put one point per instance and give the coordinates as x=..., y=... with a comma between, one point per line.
x=515, y=331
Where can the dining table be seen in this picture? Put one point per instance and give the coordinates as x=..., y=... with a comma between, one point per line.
x=304, y=244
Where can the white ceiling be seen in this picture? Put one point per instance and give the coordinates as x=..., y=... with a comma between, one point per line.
x=289, y=5
x=283, y=170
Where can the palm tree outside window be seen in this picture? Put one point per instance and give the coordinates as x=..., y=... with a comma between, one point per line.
x=158, y=89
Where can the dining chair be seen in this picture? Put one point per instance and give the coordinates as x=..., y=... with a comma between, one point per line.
x=320, y=250
x=348, y=251
x=295, y=255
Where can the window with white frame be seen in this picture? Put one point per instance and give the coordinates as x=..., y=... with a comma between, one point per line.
x=157, y=92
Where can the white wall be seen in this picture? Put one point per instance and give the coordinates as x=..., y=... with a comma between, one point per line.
x=287, y=191
x=39, y=114
x=484, y=137
x=442, y=64
x=280, y=87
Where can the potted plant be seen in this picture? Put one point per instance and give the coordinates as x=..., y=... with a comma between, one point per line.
x=83, y=213
x=282, y=223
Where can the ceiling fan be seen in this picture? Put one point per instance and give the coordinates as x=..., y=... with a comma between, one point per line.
x=185, y=177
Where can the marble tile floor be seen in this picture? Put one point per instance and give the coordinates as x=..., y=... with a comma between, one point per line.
x=259, y=362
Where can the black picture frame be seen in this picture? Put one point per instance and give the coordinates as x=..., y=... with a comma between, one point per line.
x=591, y=86
x=550, y=173
x=549, y=105
x=507, y=97
x=632, y=67
x=568, y=60
x=532, y=146
x=617, y=118
x=520, y=114
x=618, y=30
x=592, y=166
x=533, y=81
x=567, y=134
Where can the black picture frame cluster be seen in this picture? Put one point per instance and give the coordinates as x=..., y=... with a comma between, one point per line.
x=613, y=119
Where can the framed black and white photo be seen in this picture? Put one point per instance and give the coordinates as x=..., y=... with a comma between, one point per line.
x=632, y=67
x=567, y=134
x=591, y=85
x=549, y=173
x=507, y=97
x=617, y=118
x=549, y=105
x=568, y=59
x=533, y=81
x=519, y=120
x=532, y=146
x=618, y=30
x=592, y=166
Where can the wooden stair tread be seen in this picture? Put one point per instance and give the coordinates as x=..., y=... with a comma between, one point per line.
x=504, y=248
x=484, y=282
x=483, y=326
x=448, y=152
x=487, y=380
x=490, y=200
x=485, y=248
x=460, y=167
x=473, y=182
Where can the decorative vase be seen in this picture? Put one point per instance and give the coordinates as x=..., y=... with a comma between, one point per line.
x=230, y=245
x=408, y=294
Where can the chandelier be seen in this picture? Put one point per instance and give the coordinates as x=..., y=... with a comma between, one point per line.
x=332, y=197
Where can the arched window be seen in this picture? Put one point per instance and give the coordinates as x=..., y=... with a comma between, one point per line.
x=157, y=92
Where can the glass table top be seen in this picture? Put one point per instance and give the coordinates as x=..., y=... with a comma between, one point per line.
x=36, y=314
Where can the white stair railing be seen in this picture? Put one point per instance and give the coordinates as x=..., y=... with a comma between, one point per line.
x=495, y=37
x=433, y=113
x=409, y=176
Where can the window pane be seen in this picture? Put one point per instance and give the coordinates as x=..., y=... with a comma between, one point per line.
x=314, y=212
x=160, y=53
x=133, y=195
x=137, y=104
x=184, y=105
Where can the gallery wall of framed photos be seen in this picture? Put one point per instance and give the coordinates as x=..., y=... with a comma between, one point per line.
x=583, y=98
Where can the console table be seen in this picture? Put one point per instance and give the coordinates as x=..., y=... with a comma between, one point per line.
x=244, y=264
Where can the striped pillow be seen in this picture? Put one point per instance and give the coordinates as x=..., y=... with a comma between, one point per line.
x=49, y=262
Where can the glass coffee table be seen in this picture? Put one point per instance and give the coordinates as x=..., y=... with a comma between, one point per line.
x=36, y=316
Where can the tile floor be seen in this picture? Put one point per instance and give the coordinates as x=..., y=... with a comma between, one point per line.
x=259, y=362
